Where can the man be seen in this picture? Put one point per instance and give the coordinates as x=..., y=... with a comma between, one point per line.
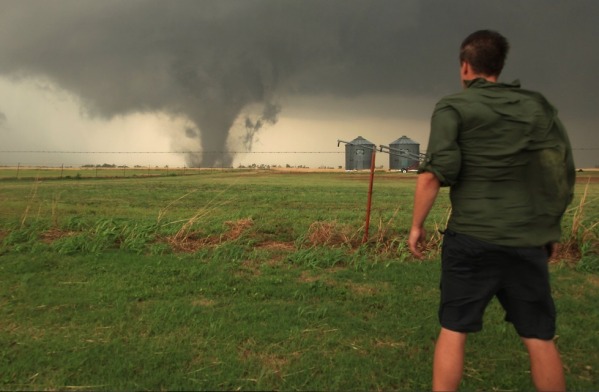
x=507, y=160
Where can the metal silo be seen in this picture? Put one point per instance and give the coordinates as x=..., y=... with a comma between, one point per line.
x=358, y=154
x=406, y=160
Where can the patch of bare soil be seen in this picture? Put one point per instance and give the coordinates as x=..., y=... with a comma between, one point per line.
x=275, y=363
x=308, y=277
x=277, y=246
x=203, y=302
x=55, y=234
x=364, y=289
x=193, y=241
x=236, y=228
x=324, y=276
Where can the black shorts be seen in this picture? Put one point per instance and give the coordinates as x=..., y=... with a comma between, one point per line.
x=474, y=271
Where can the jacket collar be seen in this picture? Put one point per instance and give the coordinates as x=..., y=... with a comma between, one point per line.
x=483, y=83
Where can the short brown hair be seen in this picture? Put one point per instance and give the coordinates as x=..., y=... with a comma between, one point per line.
x=485, y=51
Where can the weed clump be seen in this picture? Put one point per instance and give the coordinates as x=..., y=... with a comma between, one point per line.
x=331, y=234
x=186, y=240
x=581, y=244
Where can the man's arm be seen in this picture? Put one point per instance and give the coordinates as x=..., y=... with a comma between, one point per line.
x=427, y=188
x=441, y=168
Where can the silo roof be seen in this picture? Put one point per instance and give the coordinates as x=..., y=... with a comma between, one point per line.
x=404, y=140
x=361, y=141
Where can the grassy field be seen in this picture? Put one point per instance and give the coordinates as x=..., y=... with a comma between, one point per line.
x=110, y=171
x=253, y=280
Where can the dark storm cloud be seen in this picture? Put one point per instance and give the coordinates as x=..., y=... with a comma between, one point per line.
x=210, y=59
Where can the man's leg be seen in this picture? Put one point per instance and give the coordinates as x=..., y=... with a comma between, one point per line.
x=545, y=365
x=448, y=363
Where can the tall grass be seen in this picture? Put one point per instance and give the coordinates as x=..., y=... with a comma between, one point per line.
x=581, y=244
x=306, y=210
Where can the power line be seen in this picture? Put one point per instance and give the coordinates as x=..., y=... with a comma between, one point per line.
x=168, y=152
x=200, y=152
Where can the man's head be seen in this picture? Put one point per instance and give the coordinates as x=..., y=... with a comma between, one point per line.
x=484, y=51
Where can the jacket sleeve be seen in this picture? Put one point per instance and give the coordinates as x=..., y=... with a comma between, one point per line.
x=569, y=159
x=443, y=155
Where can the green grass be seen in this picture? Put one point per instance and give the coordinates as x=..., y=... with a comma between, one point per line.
x=97, y=294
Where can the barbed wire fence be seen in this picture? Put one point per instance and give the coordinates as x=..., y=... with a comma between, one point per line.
x=69, y=164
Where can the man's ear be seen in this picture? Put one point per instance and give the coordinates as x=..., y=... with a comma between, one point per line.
x=465, y=69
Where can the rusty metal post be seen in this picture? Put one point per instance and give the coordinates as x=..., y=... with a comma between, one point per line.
x=369, y=203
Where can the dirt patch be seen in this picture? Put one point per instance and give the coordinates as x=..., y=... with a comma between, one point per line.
x=280, y=250
x=236, y=228
x=364, y=289
x=249, y=266
x=332, y=234
x=593, y=280
x=194, y=241
x=311, y=277
x=203, y=302
x=568, y=251
x=307, y=277
x=274, y=362
x=189, y=244
x=388, y=343
x=277, y=246
x=55, y=234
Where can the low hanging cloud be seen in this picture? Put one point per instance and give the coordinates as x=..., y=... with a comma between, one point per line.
x=209, y=60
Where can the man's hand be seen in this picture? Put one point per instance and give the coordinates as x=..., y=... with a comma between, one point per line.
x=416, y=239
x=427, y=187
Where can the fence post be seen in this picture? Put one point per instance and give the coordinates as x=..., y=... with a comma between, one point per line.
x=369, y=202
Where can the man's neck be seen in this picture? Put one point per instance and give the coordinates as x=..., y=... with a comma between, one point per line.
x=467, y=73
x=492, y=79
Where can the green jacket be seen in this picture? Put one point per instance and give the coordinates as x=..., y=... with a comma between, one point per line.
x=508, y=161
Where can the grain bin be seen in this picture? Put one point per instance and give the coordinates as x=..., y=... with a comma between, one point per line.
x=358, y=154
x=404, y=154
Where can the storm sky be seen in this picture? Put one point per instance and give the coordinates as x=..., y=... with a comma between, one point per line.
x=221, y=76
